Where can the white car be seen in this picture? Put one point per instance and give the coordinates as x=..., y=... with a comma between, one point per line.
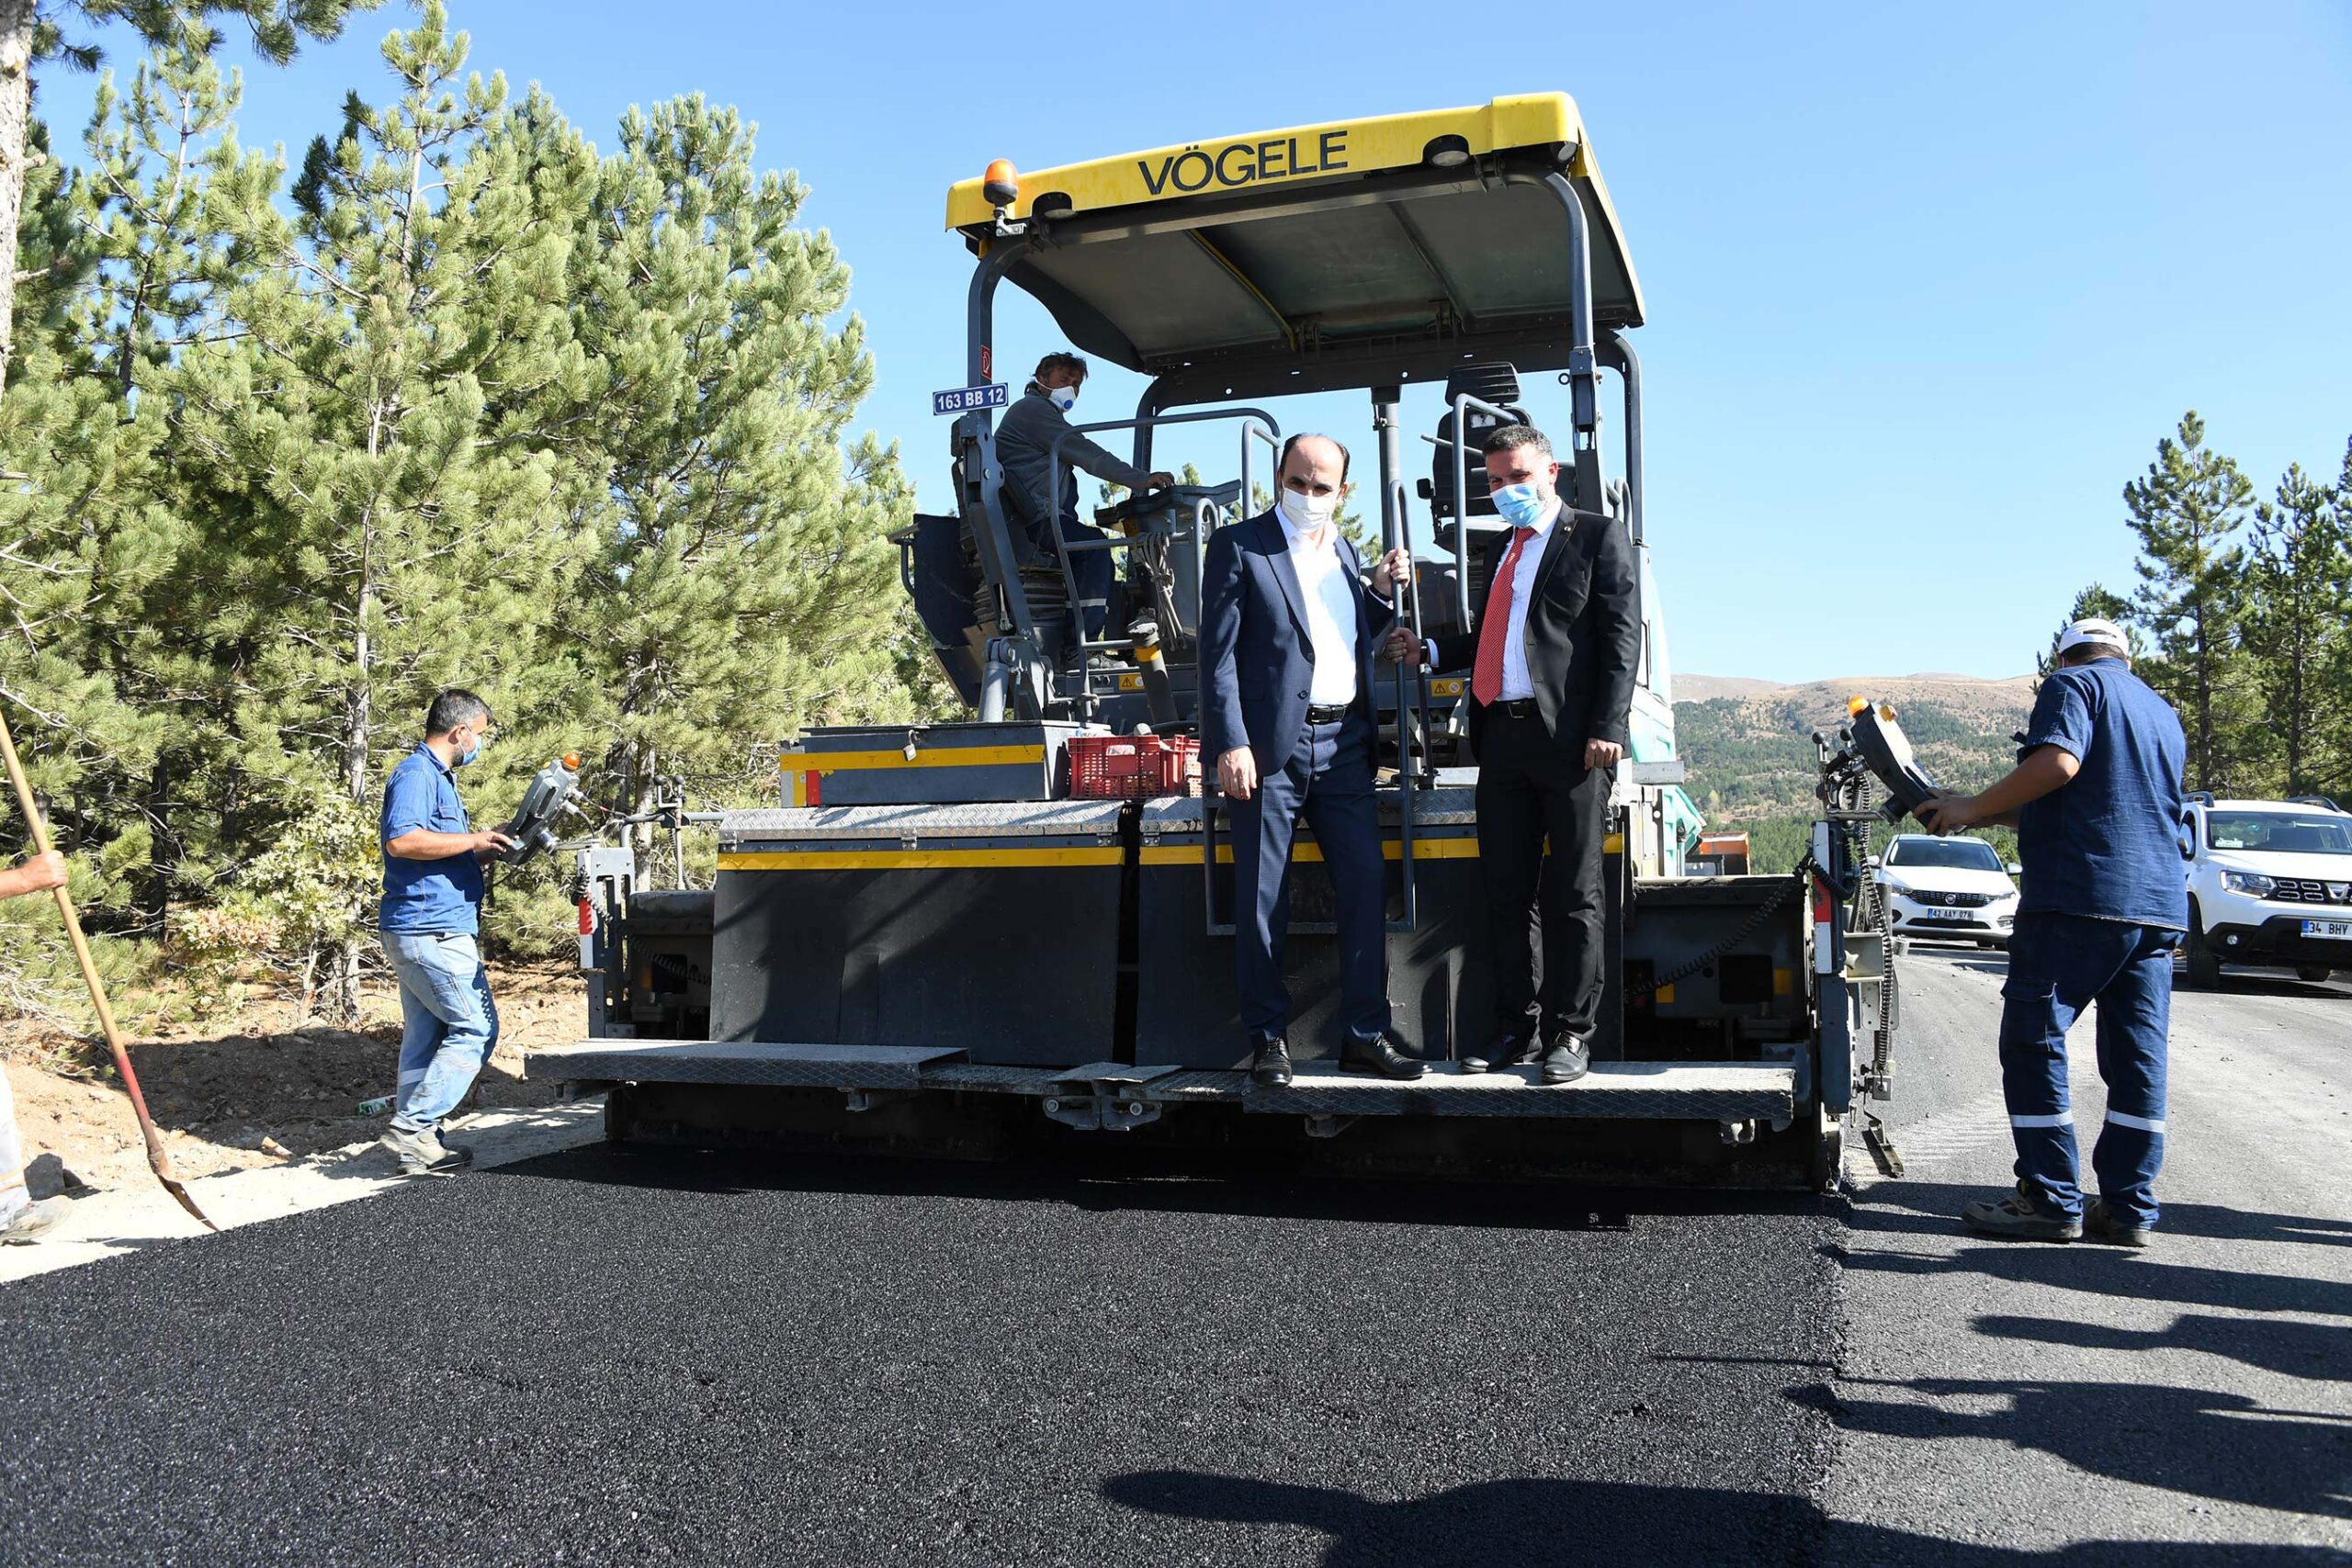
x=2270, y=883
x=1952, y=889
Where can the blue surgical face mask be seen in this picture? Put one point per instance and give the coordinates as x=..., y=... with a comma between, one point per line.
x=473, y=749
x=1063, y=398
x=1521, y=506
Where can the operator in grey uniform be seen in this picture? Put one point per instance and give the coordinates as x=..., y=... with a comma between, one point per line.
x=1024, y=446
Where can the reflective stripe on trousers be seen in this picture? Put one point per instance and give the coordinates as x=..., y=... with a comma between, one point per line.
x=2060, y=965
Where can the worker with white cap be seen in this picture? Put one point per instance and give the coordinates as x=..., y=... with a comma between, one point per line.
x=2096, y=798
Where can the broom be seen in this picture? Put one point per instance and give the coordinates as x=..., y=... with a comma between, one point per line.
x=157, y=1160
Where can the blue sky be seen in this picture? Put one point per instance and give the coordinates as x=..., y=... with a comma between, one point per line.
x=1925, y=284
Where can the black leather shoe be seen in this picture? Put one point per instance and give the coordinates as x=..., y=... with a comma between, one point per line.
x=1270, y=1066
x=1382, y=1055
x=1508, y=1048
x=1567, y=1060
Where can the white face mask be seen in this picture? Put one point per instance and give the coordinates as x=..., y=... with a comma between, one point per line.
x=1308, y=513
x=1062, y=397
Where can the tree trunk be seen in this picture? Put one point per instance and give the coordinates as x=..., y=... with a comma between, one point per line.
x=155, y=897
x=2295, y=719
x=346, y=981
x=2205, y=778
x=16, y=113
x=643, y=791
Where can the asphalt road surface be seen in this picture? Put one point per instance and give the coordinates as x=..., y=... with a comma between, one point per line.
x=611, y=1357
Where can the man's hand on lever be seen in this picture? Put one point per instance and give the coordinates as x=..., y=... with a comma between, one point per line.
x=1947, y=811
x=1236, y=773
x=1402, y=648
x=1396, y=568
x=1158, y=479
x=1601, y=755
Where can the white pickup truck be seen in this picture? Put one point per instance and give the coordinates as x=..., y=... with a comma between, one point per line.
x=2269, y=884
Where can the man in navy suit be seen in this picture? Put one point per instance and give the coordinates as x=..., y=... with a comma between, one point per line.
x=1287, y=632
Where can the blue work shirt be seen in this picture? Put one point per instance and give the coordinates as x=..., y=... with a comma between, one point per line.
x=442, y=895
x=2107, y=843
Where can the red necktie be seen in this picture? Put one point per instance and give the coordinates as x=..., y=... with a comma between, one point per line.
x=1487, y=677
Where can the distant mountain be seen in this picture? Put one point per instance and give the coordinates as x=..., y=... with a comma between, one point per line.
x=1750, y=752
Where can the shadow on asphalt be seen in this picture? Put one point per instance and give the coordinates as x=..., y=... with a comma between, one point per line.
x=2222, y=1446
x=2112, y=1271
x=1932, y=1208
x=2289, y=1348
x=1557, y=1521
x=2217, y=1445
x=1109, y=1182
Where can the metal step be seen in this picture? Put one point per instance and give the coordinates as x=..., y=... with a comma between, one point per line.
x=736, y=1061
x=1653, y=1090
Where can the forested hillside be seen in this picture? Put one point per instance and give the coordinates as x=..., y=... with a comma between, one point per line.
x=1752, y=755
x=1753, y=762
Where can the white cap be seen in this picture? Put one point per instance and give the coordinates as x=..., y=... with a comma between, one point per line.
x=2092, y=629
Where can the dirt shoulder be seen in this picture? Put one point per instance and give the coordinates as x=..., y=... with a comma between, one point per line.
x=255, y=1085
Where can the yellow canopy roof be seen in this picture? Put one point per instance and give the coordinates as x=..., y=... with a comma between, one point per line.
x=1261, y=248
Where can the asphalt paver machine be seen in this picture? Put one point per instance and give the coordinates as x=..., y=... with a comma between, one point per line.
x=934, y=942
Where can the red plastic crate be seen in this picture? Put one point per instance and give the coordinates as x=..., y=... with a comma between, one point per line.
x=1127, y=767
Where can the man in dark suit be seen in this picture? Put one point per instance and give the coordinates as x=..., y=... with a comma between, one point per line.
x=1287, y=635
x=1553, y=655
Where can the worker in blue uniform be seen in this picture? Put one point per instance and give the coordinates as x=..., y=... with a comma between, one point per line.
x=2095, y=799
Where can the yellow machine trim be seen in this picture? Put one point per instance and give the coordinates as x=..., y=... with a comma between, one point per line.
x=1783, y=982
x=1446, y=686
x=1613, y=845
x=935, y=757
x=1664, y=996
x=910, y=860
x=1304, y=850
x=1107, y=854
x=1351, y=147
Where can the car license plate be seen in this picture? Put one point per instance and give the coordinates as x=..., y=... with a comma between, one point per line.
x=1947, y=914
x=2338, y=931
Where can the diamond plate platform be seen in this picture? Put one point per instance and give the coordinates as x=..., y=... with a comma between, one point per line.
x=989, y=820
x=1455, y=808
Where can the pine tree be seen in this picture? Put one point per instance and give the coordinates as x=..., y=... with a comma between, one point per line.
x=2333, y=733
x=77, y=552
x=742, y=585
x=2186, y=511
x=2297, y=596
x=37, y=31
x=143, y=285
x=373, y=543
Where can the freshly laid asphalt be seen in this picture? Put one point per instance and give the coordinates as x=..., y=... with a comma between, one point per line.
x=620, y=1357
x=607, y=1357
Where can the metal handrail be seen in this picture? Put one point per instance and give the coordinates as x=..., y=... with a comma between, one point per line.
x=1409, y=592
x=1462, y=403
